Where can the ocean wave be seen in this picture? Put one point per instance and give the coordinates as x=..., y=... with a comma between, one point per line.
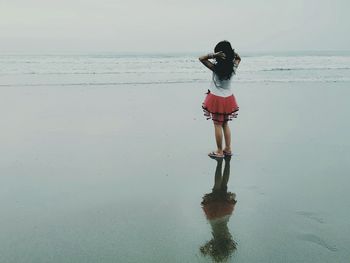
x=297, y=69
x=167, y=82
x=100, y=73
x=103, y=83
x=187, y=71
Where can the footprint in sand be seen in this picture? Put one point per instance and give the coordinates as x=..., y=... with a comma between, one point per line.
x=317, y=240
x=310, y=215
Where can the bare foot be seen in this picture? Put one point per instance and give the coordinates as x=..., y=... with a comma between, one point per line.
x=227, y=149
x=219, y=152
x=216, y=154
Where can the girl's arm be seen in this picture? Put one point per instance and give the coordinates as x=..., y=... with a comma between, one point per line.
x=206, y=62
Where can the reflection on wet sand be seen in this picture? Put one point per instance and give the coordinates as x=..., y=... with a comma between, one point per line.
x=218, y=207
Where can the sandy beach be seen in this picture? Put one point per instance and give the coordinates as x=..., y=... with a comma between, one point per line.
x=107, y=155
x=104, y=174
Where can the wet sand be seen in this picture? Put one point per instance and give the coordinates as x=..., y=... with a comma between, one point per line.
x=103, y=174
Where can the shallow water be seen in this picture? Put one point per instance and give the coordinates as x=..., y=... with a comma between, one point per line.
x=101, y=174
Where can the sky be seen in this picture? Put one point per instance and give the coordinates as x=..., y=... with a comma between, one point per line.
x=172, y=26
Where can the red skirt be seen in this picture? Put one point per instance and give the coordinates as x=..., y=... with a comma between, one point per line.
x=220, y=109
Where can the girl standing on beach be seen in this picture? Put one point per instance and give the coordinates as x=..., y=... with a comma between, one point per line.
x=220, y=104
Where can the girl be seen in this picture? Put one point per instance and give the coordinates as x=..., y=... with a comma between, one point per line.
x=220, y=104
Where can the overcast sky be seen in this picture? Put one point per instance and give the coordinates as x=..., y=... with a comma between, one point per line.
x=172, y=25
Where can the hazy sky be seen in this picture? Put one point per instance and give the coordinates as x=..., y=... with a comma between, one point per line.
x=172, y=25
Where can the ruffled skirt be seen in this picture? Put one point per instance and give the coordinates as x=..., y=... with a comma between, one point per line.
x=220, y=109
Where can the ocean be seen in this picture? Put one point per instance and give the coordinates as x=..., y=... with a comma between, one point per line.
x=138, y=69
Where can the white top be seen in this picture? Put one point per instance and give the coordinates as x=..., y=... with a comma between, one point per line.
x=221, y=88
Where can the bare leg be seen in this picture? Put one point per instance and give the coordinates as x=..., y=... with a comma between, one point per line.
x=218, y=138
x=227, y=135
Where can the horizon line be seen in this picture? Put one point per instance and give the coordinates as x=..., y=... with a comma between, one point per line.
x=164, y=53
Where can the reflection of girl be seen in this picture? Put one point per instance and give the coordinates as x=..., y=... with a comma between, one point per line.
x=220, y=104
x=218, y=207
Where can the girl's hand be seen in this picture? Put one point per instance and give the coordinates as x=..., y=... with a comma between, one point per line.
x=237, y=57
x=237, y=60
x=220, y=55
x=206, y=62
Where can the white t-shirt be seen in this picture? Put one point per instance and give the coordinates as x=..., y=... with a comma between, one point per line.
x=219, y=87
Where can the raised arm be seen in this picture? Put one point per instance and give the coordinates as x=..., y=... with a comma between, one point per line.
x=206, y=62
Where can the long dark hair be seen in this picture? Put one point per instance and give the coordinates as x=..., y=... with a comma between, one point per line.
x=224, y=67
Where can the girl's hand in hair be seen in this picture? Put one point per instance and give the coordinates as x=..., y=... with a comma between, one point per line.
x=220, y=54
x=237, y=59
